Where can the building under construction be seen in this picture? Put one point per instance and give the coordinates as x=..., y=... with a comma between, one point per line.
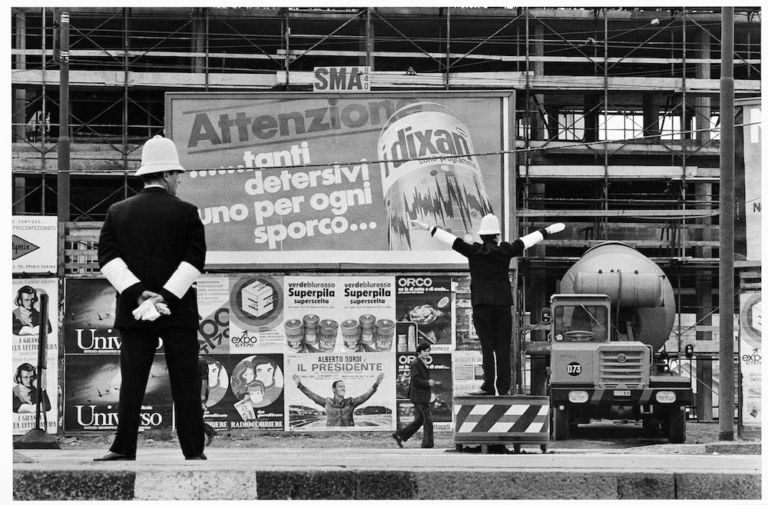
x=616, y=120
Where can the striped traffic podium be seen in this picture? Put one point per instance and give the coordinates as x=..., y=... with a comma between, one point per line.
x=501, y=420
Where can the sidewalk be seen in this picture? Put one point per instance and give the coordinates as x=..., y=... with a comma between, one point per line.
x=375, y=473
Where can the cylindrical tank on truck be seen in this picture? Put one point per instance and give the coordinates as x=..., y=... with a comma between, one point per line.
x=614, y=310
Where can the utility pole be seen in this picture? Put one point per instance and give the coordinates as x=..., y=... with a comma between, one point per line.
x=727, y=162
x=62, y=179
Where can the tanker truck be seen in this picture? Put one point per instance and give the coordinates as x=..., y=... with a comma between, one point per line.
x=615, y=308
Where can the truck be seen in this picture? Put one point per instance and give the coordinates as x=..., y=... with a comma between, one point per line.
x=608, y=323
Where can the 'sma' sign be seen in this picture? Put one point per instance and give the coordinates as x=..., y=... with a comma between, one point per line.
x=341, y=79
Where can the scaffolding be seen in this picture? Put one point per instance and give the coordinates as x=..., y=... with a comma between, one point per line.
x=617, y=109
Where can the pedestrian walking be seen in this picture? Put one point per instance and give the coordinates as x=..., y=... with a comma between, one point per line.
x=151, y=249
x=491, y=293
x=419, y=392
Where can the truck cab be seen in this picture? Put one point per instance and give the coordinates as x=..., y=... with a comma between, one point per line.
x=597, y=372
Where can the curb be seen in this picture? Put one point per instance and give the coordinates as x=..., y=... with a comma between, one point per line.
x=379, y=485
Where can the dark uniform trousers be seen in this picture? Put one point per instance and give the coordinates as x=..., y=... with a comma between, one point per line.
x=493, y=324
x=181, y=355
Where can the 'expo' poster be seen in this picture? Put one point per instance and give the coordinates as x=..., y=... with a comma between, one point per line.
x=355, y=403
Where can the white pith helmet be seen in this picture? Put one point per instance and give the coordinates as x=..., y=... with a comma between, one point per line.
x=489, y=225
x=159, y=155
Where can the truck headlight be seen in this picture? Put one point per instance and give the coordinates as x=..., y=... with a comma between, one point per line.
x=578, y=396
x=666, y=397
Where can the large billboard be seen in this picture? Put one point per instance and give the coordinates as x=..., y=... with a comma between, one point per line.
x=307, y=178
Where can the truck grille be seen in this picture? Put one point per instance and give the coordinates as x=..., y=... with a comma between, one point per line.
x=621, y=368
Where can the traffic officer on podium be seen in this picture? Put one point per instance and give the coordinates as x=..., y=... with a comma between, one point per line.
x=151, y=249
x=491, y=293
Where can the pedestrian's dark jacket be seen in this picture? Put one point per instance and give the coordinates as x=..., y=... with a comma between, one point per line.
x=153, y=232
x=419, y=390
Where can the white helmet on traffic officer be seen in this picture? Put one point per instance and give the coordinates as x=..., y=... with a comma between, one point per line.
x=159, y=155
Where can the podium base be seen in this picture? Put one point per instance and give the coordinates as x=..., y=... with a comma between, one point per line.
x=36, y=439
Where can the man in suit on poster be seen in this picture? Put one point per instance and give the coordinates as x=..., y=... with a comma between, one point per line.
x=151, y=249
x=419, y=392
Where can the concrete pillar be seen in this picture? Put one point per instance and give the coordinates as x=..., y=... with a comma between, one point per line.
x=366, y=39
x=18, y=112
x=650, y=116
x=591, y=117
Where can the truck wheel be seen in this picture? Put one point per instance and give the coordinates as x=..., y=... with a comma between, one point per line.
x=677, y=427
x=561, y=424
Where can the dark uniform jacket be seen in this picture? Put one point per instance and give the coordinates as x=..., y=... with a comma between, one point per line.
x=489, y=269
x=153, y=232
x=419, y=390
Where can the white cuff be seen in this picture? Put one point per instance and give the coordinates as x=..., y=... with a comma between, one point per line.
x=444, y=236
x=118, y=274
x=532, y=239
x=182, y=279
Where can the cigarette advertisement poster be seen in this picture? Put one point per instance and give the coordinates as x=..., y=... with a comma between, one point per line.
x=244, y=391
x=467, y=372
x=92, y=391
x=213, y=306
x=35, y=244
x=256, y=314
x=751, y=356
x=441, y=401
x=339, y=392
x=283, y=178
x=349, y=314
x=25, y=339
x=426, y=301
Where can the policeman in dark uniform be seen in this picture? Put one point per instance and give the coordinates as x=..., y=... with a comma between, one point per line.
x=151, y=249
x=491, y=293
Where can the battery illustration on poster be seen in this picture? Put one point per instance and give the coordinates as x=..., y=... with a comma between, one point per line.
x=426, y=301
x=244, y=391
x=346, y=314
x=26, y=376
x=299, y=174
x=92, y=392
x=256, y=314
x=340, y=392
x=213, y=305
x=441, y=400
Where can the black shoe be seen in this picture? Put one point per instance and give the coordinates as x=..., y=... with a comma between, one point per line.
x=398, y=439
x=199, y=456
x=113, y=456
x=209, y=434
x=427, y=446
x=481, y=392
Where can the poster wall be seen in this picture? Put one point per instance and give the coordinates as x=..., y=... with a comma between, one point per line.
x=340, y=392
x=315, y=178
x=25, y=374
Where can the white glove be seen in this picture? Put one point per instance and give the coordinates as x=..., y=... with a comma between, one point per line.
x=420, y=225
x=146, y=311
x=554, y=228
